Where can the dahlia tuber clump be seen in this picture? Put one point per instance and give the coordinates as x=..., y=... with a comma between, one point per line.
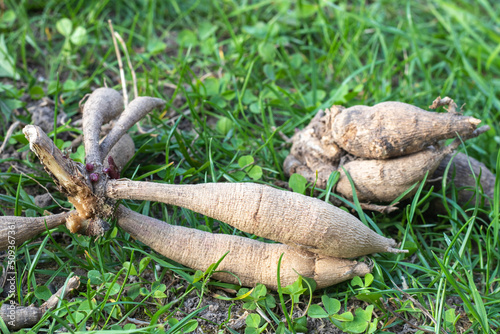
x=386, y=149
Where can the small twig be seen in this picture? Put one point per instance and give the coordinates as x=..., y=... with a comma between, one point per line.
x=379, y=208
x=137, y=322
x=405, y=320
x=282, y=135
x=120, y=64
x=11, y=129
x=417, y=304
x=73, y=283
x=446, y=101
x=134, y=79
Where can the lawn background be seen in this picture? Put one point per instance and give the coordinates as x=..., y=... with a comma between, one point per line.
x=237, y=76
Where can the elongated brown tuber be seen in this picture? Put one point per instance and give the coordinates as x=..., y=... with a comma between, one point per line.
x=250, y=260
x=14, y=231
x=291, y=218
x=461, y=176
x=103, y=105
x=392, y=129
x=122, y=152
x=137, y=109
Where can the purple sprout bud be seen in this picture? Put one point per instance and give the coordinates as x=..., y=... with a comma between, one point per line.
x=94, y=177
x=106, y=170
x=89, y=167
x=113, y=169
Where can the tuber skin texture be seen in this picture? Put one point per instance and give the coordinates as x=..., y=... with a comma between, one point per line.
x=250, y=260
x=17, y=317
x=121, y=153
x=460, y=175
x=382, y=181
x=137, y=109
x=291, y=218
x=392, y=129
x=26, y=228
x=103, y=105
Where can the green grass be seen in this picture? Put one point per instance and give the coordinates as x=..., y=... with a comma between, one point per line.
x=267, y=67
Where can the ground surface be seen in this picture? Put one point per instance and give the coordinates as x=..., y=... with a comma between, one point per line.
x=239, y=78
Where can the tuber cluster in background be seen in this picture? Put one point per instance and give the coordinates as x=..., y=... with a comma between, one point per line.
x=386, y=149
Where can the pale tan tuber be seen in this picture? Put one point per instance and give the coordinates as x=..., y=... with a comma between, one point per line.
x=14, y=231
x=392, y=129
x=17, y=317
x=250, y=260
x=102, y=106
x=137, y=109
x=291, y=218
x=382, y=181
x=461, y=175
x=122, y=152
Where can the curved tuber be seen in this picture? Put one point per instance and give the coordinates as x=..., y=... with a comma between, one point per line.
x=103, y=105
x=250, y=260
x=121, y=152
x=136, y=110
x=392, y=129
x=291, y=218
x=17, y=317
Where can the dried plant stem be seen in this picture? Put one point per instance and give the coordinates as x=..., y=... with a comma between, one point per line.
x=25, y=228
x=72, y=284
x=446, y=101
x=291, y=218
x=250, y=260
x=129, y=63
x=120, y=64
x=68, y=176
x=136, y=110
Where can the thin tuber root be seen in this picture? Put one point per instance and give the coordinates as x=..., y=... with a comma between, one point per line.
x=136, y=110
x=17, y=317
x=25, y=228
x=103, y=105
x=250, y=260
x=291, y=218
